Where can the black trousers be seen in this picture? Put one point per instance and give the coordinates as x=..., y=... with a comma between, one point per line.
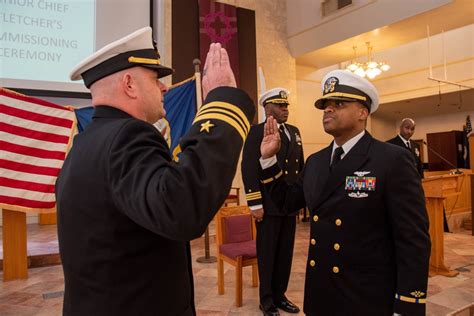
x=275, y=241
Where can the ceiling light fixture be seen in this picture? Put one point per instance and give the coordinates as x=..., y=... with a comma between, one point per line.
x=370, y=68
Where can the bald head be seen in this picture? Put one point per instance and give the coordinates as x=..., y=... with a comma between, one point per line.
x=407, y=128
x=103, y=89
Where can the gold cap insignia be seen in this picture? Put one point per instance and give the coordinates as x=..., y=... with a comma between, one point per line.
x=330, y=84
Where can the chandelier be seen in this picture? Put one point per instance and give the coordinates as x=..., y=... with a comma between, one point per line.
x=370, y=68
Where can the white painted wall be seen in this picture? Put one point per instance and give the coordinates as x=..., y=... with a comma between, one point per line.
x=383, y=129
x=308, y=118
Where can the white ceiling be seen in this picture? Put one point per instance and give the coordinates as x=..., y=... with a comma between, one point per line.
x=448, y=17
x=447, y=103
x=452, y=16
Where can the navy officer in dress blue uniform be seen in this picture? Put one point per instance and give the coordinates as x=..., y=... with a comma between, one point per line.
x=126, y=210
x=369, y=245
x=275, y=226
x=403, y=139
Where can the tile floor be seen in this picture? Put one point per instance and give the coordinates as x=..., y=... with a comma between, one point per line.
x=41, y=293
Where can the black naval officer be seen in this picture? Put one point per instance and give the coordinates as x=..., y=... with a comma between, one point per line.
x=275, y=226
x=126, y=211
x=403, y=139
x=369, y=244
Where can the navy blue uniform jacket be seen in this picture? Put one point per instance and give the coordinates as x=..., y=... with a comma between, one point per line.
x=415, y=150
x=369, y=248
x=291, y=162
x=126, y=211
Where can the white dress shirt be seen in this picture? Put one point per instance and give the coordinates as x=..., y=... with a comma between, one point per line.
x=347, y=145
x=405, y=141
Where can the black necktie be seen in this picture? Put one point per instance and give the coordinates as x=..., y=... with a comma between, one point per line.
x=408, y=144
x=336, y=156
x=283, y=136
x=282, y=130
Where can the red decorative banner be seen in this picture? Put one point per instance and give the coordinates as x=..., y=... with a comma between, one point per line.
x=218, y=24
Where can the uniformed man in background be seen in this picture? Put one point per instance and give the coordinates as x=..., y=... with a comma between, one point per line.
x=126, y=211
x=275, y=226
x=369, y=245
x=403, y=139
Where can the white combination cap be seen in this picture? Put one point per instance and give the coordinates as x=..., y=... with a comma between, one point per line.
x=347, y=86
x=133, y=50
x=275, y=95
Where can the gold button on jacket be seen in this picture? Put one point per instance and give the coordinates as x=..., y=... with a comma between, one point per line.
x=313, y=242
x=338, y=222
x=315, y=218
x=337, y=246
x=312, y=263
x=335, y=269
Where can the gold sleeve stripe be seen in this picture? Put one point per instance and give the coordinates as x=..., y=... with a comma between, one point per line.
x=258, y=196
x=228, y=113
x=347, y=95
x=230, y=107
x=410, y=299
x=225, y=118
x=176, y=152
x=254, y=194
x=272, y=178
x=254, y=198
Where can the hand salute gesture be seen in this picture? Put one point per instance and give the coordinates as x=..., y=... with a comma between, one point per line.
x=271, y=139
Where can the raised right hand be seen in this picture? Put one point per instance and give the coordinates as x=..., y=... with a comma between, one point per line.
x=271, y=142
x=217, y=71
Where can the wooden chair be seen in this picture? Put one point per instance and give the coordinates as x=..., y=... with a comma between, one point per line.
x=235, y=241
x=233, y=196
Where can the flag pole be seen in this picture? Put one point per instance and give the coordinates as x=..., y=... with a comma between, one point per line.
x=197, y=74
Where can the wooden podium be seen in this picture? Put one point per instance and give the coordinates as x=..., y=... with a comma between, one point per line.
x=15, y=257
x=437, y=189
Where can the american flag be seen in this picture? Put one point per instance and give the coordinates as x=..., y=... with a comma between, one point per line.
x=35, y=136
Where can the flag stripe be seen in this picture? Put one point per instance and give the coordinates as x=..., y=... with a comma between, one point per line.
x=16, y=121
x=34, y=161
x=25, y=202
x=35, y=116
x=29, y=133
x=26, y=185
x=35, y=152
x=25, y=98
x=33, y=143
x=23, y=167
x=31, y=177
x=36, y=108
x=34, y=138
x=30, y=195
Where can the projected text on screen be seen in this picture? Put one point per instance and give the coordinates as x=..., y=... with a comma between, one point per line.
x=44, y=40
